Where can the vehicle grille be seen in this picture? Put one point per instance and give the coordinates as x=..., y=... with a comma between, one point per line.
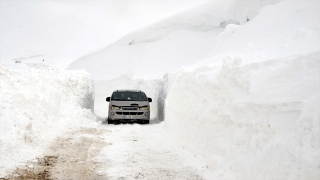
x=129, y=113
x=129, y=108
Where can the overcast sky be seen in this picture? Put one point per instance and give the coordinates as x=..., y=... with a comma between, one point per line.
x=68, y=29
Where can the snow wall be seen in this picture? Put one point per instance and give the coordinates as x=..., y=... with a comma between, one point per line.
x=255, y=120
x=37, y=104
x=255, y=115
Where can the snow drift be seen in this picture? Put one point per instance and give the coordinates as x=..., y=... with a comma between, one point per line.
x=37, y=104
x=171, y=43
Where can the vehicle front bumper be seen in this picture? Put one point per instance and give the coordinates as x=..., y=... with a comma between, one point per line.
x=128, y=116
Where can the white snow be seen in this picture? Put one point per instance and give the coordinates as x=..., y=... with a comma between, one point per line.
x=250, y=103
x=246, y=100
x=171, y=43
x=37, y=105
x=256, y=120
x=145, y=152
x=257, y=114
x=280, y=30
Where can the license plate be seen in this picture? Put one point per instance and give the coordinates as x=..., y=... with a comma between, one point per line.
x=124, y=117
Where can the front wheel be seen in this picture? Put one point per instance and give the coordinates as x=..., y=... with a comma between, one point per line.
x=110, y=121
x=145, y=122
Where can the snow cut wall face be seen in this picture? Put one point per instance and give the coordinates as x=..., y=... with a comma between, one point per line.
x=35, y=104
x=258, y=120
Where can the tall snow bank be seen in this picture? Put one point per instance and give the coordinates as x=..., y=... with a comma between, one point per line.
x=255, y=114
x=255, y=120
x=36, y=104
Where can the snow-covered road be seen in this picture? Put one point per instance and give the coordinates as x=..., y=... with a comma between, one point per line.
x=125, y=151
x=135, y=151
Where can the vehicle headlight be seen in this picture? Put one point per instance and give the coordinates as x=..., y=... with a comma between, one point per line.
x=114, y=108
x=145, y=108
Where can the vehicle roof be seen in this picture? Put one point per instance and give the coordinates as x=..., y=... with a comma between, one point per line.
x=127, y=90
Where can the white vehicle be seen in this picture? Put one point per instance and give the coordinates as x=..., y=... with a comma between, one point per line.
x=128, y=106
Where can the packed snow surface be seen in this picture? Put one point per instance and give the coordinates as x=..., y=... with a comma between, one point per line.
x=134, y=151
x=36, y=105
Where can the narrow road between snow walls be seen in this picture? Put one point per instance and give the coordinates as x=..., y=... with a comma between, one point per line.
x=125, y=151
x=136, y=151
x=243, y=131
x=62, y=139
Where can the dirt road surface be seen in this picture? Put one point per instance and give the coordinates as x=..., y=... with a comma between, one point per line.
x=125, y=151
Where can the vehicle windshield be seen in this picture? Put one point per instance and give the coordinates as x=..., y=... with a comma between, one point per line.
x=128, y=96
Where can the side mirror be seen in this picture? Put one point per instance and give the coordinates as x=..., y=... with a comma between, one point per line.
x=149, y=99
x=108, y=99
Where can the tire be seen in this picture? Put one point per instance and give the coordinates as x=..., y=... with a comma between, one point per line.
x=110, y=121
x=146, y=122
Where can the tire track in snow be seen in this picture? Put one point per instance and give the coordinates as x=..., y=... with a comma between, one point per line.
x=144, y=152
x=69, y=157
x=112, y=152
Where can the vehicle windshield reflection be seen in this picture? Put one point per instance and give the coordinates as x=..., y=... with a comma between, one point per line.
x=128, y=96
